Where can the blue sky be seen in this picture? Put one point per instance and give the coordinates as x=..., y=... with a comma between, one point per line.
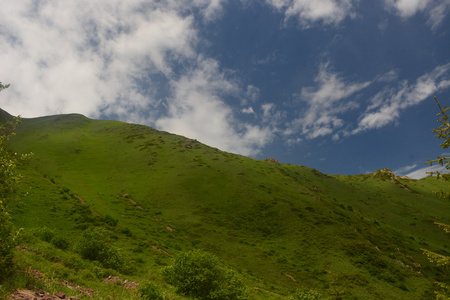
x=343, y=86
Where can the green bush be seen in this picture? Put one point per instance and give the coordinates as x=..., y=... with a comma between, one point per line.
x=44, y=233
x=110, y=220
x=197, y=273
x=60, y=242
x=150, y=291
x=94, y=245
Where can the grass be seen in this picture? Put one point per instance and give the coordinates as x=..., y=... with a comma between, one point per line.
x=280, y=227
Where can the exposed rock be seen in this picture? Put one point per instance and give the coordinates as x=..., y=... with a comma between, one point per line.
x=386, y=174
x=272, y=160
x=188, y=144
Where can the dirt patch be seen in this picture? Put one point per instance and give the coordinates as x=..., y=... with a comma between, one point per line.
x=160, y=250
x=291, y=277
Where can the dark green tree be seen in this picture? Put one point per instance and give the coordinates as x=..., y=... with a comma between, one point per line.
x=442, y=132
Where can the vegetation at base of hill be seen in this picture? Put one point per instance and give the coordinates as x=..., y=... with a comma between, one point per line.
x=153, y=197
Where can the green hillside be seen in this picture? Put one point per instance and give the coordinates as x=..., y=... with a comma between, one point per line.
x=279, y=227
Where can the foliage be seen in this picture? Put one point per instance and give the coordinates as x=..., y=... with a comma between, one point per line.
x=60, y=242
x=150, y=291
x=48, y=235
x=197, y=273
x=442, y=132
x=44, y=233
x=94, y=245
x=306, y=294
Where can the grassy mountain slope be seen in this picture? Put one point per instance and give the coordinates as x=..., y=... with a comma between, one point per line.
x=282, y=227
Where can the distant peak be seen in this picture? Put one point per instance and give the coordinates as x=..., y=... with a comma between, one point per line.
x=385, y=172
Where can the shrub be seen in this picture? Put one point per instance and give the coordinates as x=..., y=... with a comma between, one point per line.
x=94, y=245
x=44, y=233
x=60, y=242
x=150, y=291
x=197, y=273
x=110, y=220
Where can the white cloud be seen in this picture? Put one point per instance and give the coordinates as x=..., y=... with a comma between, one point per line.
x=327, y=12
x=437, y=13
x=387, y=104
x=212, y=9
x=121, y=59
x=423, y=172
x=84, y=56
x=388, y=76
x=407, y=8
x=252, y=94
x=198, y=111
x=248, y=110
x=405, y=169
x=436, y=10
x=325, y=102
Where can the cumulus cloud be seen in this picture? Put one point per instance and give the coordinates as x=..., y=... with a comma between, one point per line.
x=85, y=56
x=198, y=111
x=325, y=103
x=327, y=12
x=248, y=110
x=388, y=103
x=436, y=10
x=407, y=8
x=121, y=59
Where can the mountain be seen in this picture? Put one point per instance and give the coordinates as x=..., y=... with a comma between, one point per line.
x=281, y=227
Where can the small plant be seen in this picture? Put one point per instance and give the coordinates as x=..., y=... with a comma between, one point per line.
x=110, y=220
x=197, y=273
x=60, y=242
x=150, y=291
x=44, y=233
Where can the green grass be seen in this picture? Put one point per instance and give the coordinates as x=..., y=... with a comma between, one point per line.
x=280, y=227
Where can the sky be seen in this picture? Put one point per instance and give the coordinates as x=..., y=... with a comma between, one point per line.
x=342, y=86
